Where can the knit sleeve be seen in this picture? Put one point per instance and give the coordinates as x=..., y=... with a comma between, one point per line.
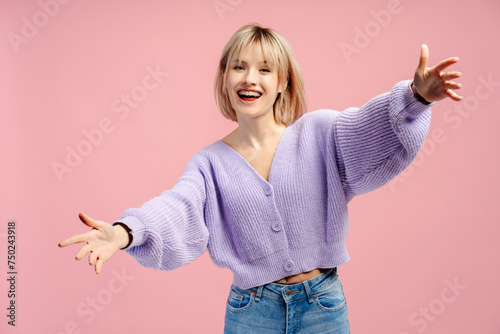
x=376, y=142
x=169, y=230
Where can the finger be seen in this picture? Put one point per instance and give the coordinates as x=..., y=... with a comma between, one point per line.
x=74, y=239
x=452, y=85
x=445, y=63
x=89, y=221
x=92, y=258
x=98, y=266
x=424, y=58
x=453, y=95
x=451, y=75
x=83, y=251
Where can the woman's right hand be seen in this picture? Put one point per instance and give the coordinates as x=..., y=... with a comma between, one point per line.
x=102, y=241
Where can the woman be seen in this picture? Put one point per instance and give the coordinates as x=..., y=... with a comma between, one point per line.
x=269, y=200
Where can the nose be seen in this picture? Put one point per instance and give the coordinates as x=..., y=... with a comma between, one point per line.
x=250, y=77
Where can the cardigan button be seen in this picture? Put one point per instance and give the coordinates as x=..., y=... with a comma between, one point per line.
x=289, y=266
x=276, y=226
x=268, y=191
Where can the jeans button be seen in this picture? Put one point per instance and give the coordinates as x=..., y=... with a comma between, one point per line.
x=289, y=293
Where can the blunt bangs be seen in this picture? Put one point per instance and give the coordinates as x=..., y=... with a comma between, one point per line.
x=280, y=59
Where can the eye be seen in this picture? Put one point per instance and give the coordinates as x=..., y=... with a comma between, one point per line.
x=265, y=70
x=238, y=67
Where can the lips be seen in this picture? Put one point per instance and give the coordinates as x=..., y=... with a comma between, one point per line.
x=249, y=94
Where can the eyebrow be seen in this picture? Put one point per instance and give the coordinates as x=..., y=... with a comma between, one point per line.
x=244, y=62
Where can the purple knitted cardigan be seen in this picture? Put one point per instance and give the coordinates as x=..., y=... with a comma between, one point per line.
x=298, y=221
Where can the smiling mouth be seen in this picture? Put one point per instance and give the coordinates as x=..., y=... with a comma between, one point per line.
x=247, y=95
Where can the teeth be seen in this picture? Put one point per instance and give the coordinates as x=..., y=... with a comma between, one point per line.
x=250, y=94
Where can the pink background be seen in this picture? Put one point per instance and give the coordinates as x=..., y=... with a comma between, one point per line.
x=438, y=223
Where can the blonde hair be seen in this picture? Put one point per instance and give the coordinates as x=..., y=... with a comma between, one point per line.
x=291, y=102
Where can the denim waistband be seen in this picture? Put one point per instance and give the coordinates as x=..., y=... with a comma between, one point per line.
x=289, y=292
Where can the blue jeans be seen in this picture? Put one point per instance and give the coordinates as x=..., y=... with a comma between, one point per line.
x=317, y=305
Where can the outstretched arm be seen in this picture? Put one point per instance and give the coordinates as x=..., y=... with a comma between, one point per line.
x=376, y=142
x=102, y=241
x=432, y=83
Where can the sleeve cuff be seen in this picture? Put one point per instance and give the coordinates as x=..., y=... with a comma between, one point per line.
x=135, y=230
x=413, y=107
x=130, y=236
x=418, y=97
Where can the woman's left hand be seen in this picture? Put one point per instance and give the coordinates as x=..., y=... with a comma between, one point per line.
x=432, y=83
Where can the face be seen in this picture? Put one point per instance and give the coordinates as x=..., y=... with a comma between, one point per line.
x=252, y=84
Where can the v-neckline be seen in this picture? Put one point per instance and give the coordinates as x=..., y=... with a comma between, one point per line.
x=277, y=157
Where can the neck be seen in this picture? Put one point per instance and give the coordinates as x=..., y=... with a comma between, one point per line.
x=258, y=133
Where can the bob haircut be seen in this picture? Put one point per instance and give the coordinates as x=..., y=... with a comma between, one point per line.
x=290, y=104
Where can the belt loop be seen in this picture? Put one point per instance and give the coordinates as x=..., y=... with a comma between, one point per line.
x=259, y=293
x=308, y=292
